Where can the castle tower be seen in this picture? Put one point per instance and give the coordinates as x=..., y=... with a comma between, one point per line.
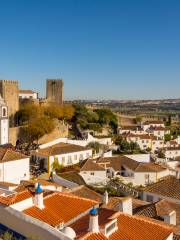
x=55, y=90
x=10, y=93
x=4, y=122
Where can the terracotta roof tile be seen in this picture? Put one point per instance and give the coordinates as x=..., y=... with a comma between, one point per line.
x=129, y=228
x=7, y=155
x=167, y=187
x=91, y=165
x=15, y=197
x=85, y=192
x=61, y=148
x=26, y=91
x=60, y=207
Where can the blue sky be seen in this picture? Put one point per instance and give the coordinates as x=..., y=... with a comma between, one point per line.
x=103, y=49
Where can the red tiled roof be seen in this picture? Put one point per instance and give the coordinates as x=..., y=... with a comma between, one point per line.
x=129, y=228
x=60, y=207
x=7, y=155
x=167, y=186
x=85, y=192
x=26, y=92
x=61, y=148
x=15, y=197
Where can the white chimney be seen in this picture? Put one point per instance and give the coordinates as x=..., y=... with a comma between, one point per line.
x=125, y=206
x=105, y=198
x=93, y=221
x=170, y=218
x=178, y=174
x=38, y=197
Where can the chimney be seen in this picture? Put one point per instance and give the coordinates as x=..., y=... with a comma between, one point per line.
x=178, y=174
x=125, y=206
x=38, y=198
x=93, y=221
x=170, y=218
x=105, y=198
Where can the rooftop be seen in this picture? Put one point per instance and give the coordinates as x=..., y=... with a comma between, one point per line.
x=167, y=187
x=60, y=208
x=7, y=155
x=158, y=209
x=26, y=92
x=85, y=192
x=129, y=227
x=61, y=148
x=118, y=162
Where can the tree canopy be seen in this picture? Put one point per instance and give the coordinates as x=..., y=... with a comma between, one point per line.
x=94, y=119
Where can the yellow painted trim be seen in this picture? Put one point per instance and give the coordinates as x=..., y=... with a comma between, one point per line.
x=49, y=166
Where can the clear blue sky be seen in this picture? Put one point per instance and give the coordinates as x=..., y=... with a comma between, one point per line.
x=103, y=49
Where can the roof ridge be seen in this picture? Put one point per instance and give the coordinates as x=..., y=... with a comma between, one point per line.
x=5, y=152
x=69, y=194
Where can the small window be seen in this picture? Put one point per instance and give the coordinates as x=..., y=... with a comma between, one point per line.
x=92, y=173
x=4, y=112
x=75, y=157
x=63, y=160
x=81, y=157
x=69, y=161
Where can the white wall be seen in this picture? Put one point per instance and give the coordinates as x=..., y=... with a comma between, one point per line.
x=157, y=197
x=140, y=157
x=171, y=154
x=14, y=171
x=28, y=95
x=29, y=226
x=76, y=157
x=4, y=131
x=98, y=177
x=83, y=143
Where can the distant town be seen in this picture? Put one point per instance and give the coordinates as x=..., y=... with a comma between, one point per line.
x=87, y=169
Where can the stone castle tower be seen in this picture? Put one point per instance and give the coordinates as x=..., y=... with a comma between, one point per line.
x=55, y=91
x=9, y=91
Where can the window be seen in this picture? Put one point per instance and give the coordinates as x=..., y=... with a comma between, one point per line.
x=87, y=155
x=75, y=157
x=111, y=227
x=69, y=161
x=92, y=173
x=81, y=157
x=4, y=112
x=149, y=198
x=142, y=141
x=63, y=160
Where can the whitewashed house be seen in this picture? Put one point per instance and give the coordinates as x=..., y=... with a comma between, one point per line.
x=131, y=129
x=172, y=152
x=28, y=94
x=168, y=188
x=66, y=154
x=140, y=172
x=146, y=125
x=14, y=166
x=93, y=173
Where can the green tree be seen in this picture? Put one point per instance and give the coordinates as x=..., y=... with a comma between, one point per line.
x=161, y=154
x=27, y=113
x=39, y=127
x=95, y=146
x=56, y=166
x=167, y=137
